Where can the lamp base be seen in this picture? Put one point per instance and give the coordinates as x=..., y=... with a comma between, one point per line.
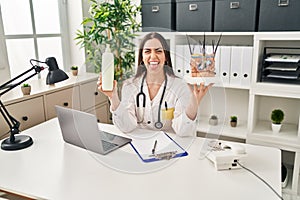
x=21, y=142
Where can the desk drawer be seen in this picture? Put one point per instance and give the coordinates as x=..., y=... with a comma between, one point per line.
x=90, y=96
x=29, y=113
x=102, y=113
x=66, y=98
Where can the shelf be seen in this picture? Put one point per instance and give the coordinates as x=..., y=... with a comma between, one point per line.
x=287, y=138
x=274, y=89
x=216, y=80
x=222, y=128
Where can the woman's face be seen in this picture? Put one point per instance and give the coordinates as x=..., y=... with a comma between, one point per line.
x=154, y=56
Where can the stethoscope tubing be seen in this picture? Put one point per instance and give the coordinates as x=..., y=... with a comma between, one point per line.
x=157, y=124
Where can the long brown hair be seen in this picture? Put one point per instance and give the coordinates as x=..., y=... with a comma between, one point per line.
x=168, y=64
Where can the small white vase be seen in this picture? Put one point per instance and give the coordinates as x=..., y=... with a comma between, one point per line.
x=276, y=128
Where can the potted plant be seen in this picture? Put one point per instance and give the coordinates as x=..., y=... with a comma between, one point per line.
x=26, y=89
x=213, y=120
x=112, y=24
x=233, y=121
x=277, y=117
x=74, y=70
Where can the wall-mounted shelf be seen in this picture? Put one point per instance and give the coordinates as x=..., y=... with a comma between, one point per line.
x=252, y=103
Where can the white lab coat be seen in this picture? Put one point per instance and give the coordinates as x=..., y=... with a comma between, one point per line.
x=177, y=96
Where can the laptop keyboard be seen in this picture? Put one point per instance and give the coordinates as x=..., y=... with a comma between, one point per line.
x=107, y=145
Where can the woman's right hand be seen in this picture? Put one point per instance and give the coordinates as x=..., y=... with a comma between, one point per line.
x=109, y=94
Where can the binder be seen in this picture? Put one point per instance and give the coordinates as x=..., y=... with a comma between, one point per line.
x=225, y=62
x=165, y=148
x=236, y=65
x=247, y=61
x=217, y=64
x=186, y=61
x=179, y=61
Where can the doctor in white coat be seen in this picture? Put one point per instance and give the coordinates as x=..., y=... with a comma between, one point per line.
x=155, y=98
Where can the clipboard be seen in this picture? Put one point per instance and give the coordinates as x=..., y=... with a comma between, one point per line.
x=166, y=147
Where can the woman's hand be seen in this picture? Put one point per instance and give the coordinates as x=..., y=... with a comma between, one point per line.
x=109, y=94
x=199, y=91
x=112, y=95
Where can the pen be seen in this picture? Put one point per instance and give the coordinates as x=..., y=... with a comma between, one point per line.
x=215, y=50
x=154, y=147
x=166, y=105
x=189, y=44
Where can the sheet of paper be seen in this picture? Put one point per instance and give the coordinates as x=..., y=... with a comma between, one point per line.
x=144, y=145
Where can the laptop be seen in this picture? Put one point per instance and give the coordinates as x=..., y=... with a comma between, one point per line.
x=81, y=129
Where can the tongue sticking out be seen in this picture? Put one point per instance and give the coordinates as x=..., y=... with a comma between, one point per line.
x=153, y=65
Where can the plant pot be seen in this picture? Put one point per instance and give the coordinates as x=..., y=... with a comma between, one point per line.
x=276, y=128
x=74, y=72
x=26, y=90
x=213, y=122
x=233, y=124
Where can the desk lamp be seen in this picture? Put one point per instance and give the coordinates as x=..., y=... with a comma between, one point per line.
x=23, y=141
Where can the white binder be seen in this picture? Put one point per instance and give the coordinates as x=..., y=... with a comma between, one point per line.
x=236, y=65
x=247, y=61
x=186, y=61
x=217, y=63
x=225, y=61
x=179, y=61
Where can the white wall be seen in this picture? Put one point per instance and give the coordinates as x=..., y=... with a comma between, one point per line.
x=75, y=17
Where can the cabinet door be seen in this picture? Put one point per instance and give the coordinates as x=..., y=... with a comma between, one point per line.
x=90, y=96
x=102, y=113
x=66, y=98
x=28, y=113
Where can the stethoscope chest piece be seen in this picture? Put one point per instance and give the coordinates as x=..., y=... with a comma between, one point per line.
x=158, y=125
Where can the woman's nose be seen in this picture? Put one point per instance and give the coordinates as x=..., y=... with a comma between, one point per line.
x=153, y=54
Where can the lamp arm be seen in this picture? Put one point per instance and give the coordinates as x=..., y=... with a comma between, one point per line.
x=10, y=120
x=37, y=69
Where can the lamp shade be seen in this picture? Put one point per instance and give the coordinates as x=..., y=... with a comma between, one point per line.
x=55, y=74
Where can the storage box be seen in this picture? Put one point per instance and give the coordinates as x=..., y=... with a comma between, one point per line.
x=279, y=15
x=194, y=15
x=158, y=15
x=239, y=15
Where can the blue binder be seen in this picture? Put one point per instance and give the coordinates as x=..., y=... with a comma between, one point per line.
x=165, y=149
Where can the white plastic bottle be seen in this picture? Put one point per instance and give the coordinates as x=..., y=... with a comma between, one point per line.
x=107, y=70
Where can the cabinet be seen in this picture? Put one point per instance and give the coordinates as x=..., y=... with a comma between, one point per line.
x=264, y=97
x=78, y=93
x=67, y=98
x=94, y=102
x=252, y=103
x=29, y=113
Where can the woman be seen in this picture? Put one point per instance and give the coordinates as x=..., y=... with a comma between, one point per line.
x=155, y=98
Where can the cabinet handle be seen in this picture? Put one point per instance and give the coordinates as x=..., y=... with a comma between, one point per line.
x=155, y=9
x=245, y=75
x=224, y=73
x=178, y=70
x=66, y=104
x=193, y=7
x=96, y=93
x=234, y=5
x=235, y=74
x=24, y=118
x=187, y=71
x=282, y=3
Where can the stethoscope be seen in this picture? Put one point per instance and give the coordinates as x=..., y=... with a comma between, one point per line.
x=157, y=124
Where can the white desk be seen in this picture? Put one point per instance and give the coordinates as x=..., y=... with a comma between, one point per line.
x=55, y=170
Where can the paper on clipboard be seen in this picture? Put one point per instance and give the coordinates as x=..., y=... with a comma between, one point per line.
x=166, y=147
